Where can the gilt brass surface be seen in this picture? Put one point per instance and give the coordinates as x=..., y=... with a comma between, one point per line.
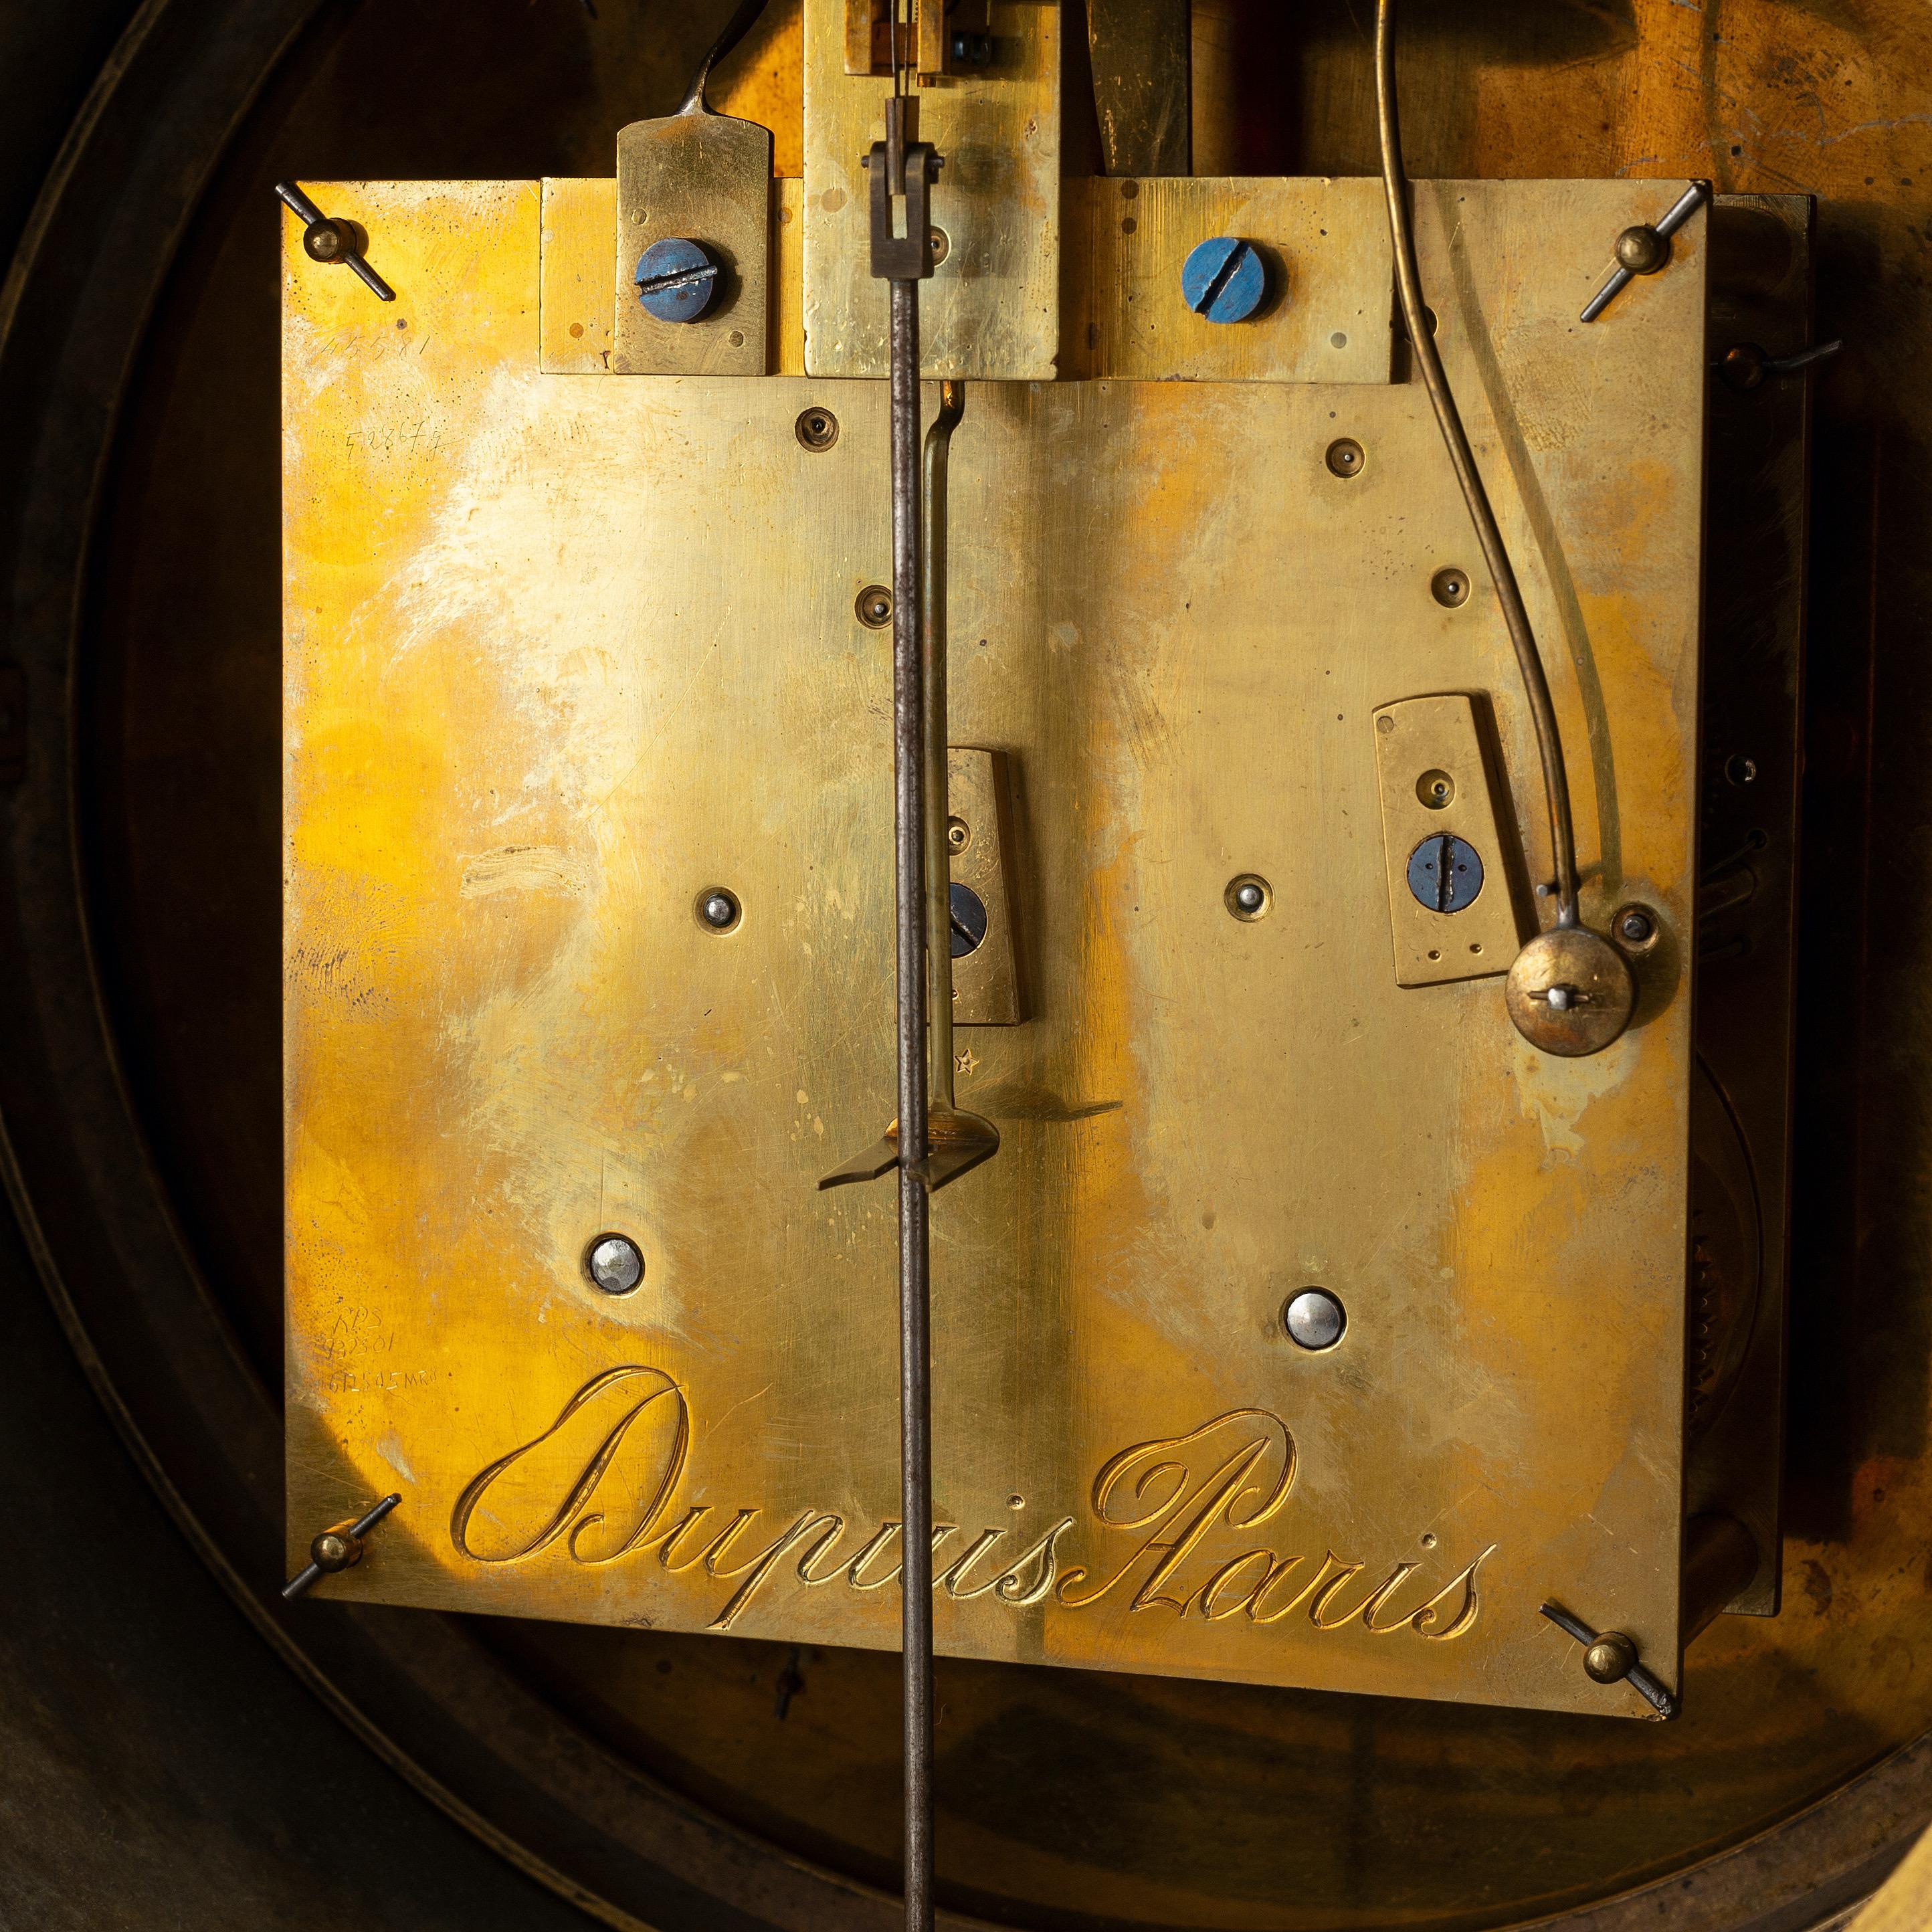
x=708, y=178
x=534, y=701
x=991, y=309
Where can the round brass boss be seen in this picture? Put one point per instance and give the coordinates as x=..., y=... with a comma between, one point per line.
x=1570, y=992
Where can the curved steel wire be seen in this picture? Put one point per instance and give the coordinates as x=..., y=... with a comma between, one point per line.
x=1509, y=593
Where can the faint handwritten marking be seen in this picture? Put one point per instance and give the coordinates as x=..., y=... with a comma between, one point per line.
x=1179, y=1499
x=523, y=868
x=374, y=1381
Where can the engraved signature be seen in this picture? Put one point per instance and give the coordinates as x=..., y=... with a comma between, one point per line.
x=1182, y=1503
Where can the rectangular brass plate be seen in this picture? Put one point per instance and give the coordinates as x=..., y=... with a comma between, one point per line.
x=707, y=177
x=1435, y=780
x=991, y=309
x=1325, y=247
x=985, y=982
x=576, y=299
x=1122, y=312
x=561, y=656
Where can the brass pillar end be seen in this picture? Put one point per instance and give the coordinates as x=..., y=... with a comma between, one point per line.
x=1570, y=992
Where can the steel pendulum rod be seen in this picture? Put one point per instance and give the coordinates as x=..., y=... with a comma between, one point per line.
x=901, y=169
x=915, y=1203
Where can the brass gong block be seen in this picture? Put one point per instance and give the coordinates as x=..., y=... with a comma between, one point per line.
x=572, y=658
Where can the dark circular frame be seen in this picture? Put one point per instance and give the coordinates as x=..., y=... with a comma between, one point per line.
x=420, y=1691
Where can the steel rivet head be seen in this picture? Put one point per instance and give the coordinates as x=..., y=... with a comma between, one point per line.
x=325, y=241
x=1742, y=366
x=1248, y=896
x=1610, y=1659
x=677, y=279
x=335, y=1551
x=1314, y=1319
x=614, y=1263
x=816, y=428
x=875, y=607
x=1224, y=281
x=719, y=909
x=1345, y=457
x=1641, y=249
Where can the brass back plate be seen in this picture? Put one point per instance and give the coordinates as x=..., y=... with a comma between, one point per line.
x=562, y=655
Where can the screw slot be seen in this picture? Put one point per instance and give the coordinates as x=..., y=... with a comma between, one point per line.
x=816, y=428
x=677, y=279
x=1224, y=279
x=1314, y=1319
x=1346, y=458
x=1435, y=789
x=614, y=1263
x=719, y=909
x=1249, y=897
x=967, y=912
x=875, y=607
x=1450, y=588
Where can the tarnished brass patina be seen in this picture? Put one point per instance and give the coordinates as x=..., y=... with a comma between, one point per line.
x=537, y=702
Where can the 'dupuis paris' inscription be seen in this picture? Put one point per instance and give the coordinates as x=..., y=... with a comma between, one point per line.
x=1173, y=1527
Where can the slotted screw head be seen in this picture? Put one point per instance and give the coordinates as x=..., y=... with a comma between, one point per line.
x=1224, y=279
x=677, y=280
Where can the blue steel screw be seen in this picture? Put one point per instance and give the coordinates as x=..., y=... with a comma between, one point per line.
x=1444, y=872
x=677, y=279
x=1224, y=279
